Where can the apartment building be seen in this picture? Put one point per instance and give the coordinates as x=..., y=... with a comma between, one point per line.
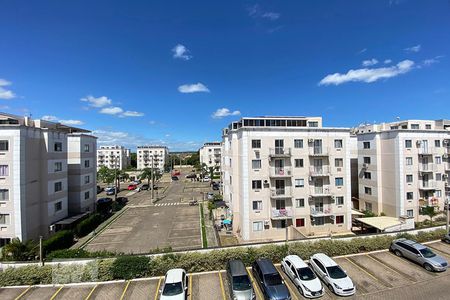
x=113, y=156
x=286, y=176
x=152, y=157
x=34, y=176
x=210, y=155
x=403, y=166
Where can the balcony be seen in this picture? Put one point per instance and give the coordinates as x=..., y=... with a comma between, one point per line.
x=280, y=193
x=320, y=191
x=280, y=172
x=319, y=171
x=447, y=167
x=279, y=152
x=281, y=214
x=426, y=150
x=326, y=210
x=430, y=201
x=318, y=151
x=427, y=185
x=427, y=168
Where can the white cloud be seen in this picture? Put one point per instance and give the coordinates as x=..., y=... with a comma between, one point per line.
x=5, y=93
x=255, y=11
x=49, y=118
x=193, y=88
x=368, y=75
x=413, y=48
x=271, y=15
x=362, y=51
x=431, y=61
x=131, y=113
x=224, y=112
x=387, y=61
x=113, y=110
x=97, y=102
x=181, y=52
x=66, y=122
x=370, y=62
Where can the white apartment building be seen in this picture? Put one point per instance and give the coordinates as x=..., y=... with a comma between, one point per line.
x=152, y=157
x=403, y=166
x=113, y=156
x=286, y=176
x=210, y=155
x=34, y=176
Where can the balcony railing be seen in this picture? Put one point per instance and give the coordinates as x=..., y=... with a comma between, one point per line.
x=326, y=210
x=322, y=191
x=280, y=193
x=280, y=152
x=318, y=151
x=428, y=185
x=280, y=172
x=427, y=167
x=430, y=201
x=447, y=166
x=319, y=171
x=426, y=150
x=282, y=213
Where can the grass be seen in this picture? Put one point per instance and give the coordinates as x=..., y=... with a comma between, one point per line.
x=202, y=223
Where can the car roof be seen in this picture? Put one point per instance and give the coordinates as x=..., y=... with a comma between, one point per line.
x=324, y=259
x=174, y=275
x=296, y=261
x=412, y=243
x=237, y=267
x=266, y=266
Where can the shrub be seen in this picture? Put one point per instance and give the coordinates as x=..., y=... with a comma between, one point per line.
x=81, y=253
x=60, y=240
x=88, y=225
x=128, y=267
x=27, y=275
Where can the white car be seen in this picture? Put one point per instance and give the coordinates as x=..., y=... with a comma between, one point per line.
x=332, y=274
x=302, y=276
x=206, y=178
x=175, y=285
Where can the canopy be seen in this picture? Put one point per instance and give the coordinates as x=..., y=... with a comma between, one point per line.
x=226, y=221
x=381, y=223
x=357, y=213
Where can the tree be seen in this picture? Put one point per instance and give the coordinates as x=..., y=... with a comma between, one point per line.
x=212, y=171
x=121, y=175
x=146, y=174
x=133, y=160
x=430, y=212
x=105, y=175
x=18, y=251
x=194, y=159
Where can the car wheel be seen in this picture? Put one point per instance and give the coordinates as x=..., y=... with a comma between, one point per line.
x=428, y=267
x=398, y=253
x=331, y=288
x=282, y=269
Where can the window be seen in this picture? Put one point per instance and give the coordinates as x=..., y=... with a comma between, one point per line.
x=408, y=143
x=415, y=126
x=299, y=162
x=338, y=144
x=300, y=222
x=4, y=170
x=256, y=184
x=299, y=203
x=86, y=147
x=298, y=143
x=4, y=145
x=4, y=195
x=58, y=147
x=437, y=143
x=86, y=163
x=299, y=183
x=367, y=190
x=257, y=205
x=409, y=195
x=87, y=179
x=367, y=160
x=409, y=178
x=58, y=186
x=338, y=162
x=340, y=200
x=58, y=166
x=319, y=221
x=256, y=164
x=58, y=206
x=427, y=126
x=256, y=144
x=438, y=160
x=409, y=161
x=86, y=195
x=367, y=175
x=339, y=181
x=366, y=145
x=4, y=219
x=438, y=194
x=339, y=219
x=368, y=206
x=258, y=226
x=438, y=176
x=313, y=124
x=410, y=213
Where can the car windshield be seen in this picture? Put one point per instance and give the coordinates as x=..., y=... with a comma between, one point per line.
x=427, y=253
x=273, y=279
x=336, y=272
x=172, y=289
x=241, y=283
x=305, y=274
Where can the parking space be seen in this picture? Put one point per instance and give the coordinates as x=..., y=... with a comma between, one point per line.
x=40, y=293
x=142, y=289
x=441, y=249
x=207, y=287
x=75, y=292
x=12, y=293
x=108, y=291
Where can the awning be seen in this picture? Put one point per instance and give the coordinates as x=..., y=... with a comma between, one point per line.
x=356, y=213
x=226, y=222
x=71, y=220
x=381, y=223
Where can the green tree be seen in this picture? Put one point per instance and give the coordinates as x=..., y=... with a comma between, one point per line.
x=121, y=176
x=212, y=171
x=18, y=251
x=105, y=175
x=194, y=159
x=430, y=212
x=146, y=174
x=133, y=157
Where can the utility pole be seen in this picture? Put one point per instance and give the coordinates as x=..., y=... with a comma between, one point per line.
x=153, y=178
x=115, y=178
x=448, y=214
x=41, y=252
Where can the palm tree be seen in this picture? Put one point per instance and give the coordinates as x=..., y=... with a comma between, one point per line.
x=146, y=174
x=121, y=175
x=105, y=175
x=16, y=250
x=211, y=171
x=430, y=212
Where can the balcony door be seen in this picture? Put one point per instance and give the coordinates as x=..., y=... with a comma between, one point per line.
x=279, y=146
x=280, y=187
x=318, y=165
x=280, y=204
x=317, y=146
x=279, y=166
x=425, y=179
x=318, y=205
x=424, y=146
x=318, y=186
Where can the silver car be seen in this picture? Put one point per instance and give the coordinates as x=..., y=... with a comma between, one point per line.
x=239, y=282
x=420, y=254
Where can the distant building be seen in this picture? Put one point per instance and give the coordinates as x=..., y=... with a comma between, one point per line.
x=113, y=156
x=38, y=162
x=152, y=157
x=210, y=154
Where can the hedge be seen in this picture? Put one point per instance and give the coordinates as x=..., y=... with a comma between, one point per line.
x=88, y=225
x=81, y=253
x=60, y=240
x=127, y=267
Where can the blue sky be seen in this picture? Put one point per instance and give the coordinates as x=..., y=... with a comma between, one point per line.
x=176, y=72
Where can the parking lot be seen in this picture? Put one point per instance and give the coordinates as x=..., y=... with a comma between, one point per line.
x=379, y=275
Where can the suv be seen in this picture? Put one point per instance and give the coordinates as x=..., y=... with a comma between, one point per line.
x=332, y=274
x=419, y=253
x=269, y=280
x=238, y=281
x=302, y=276
x=175, y=285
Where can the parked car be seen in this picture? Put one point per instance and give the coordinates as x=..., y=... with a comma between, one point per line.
x=191, y=176
x=132, y=187
x=145, y=187
x=110, y=191
x=215, y=186
x=174, y=178
x=175, y=285
x=99, y=189
x=238, y=281
x=122, y=200
x=176, y=173
x=269, y=280
x=302, y=276
x=210, y=196
x=446, y=238
x=104, y=205
x=193, y=202
x=332, y=275
x=419, y=253
x=206, y=178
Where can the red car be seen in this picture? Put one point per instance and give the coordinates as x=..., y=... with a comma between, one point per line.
x=132, y=187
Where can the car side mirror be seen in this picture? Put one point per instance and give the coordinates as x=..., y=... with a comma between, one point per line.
x=282, y=281
x=185, y=288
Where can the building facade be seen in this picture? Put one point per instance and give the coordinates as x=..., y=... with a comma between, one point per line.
x=286, y=176
x=210, y=155
x=34, y=176
x=152, y=157
x=113, y=157
x=403, y=166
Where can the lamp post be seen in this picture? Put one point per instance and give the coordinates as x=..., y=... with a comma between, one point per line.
x=115, y=178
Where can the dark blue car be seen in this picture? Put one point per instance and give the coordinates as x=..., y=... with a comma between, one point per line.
x=269, y=280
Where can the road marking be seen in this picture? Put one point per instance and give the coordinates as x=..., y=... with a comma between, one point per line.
x=125, y=290
x=440, y=252
x=376, y=279
x=91, y=292
x=157, y=288
x=191, y=278
x=255, y=285
x=23, y=293
x=221, y=286
x=287, y=283
x=388, y=267
x=56, y=293
x=170, y=204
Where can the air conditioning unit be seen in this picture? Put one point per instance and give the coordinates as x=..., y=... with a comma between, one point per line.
x=419, y=143
x=446, y=142
x=445, y=156
x=288, y=172
x=266, y=222
x=51, y=228
x=332, y=217
x=310, y=179
x=311, y=141
x=444, y=176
